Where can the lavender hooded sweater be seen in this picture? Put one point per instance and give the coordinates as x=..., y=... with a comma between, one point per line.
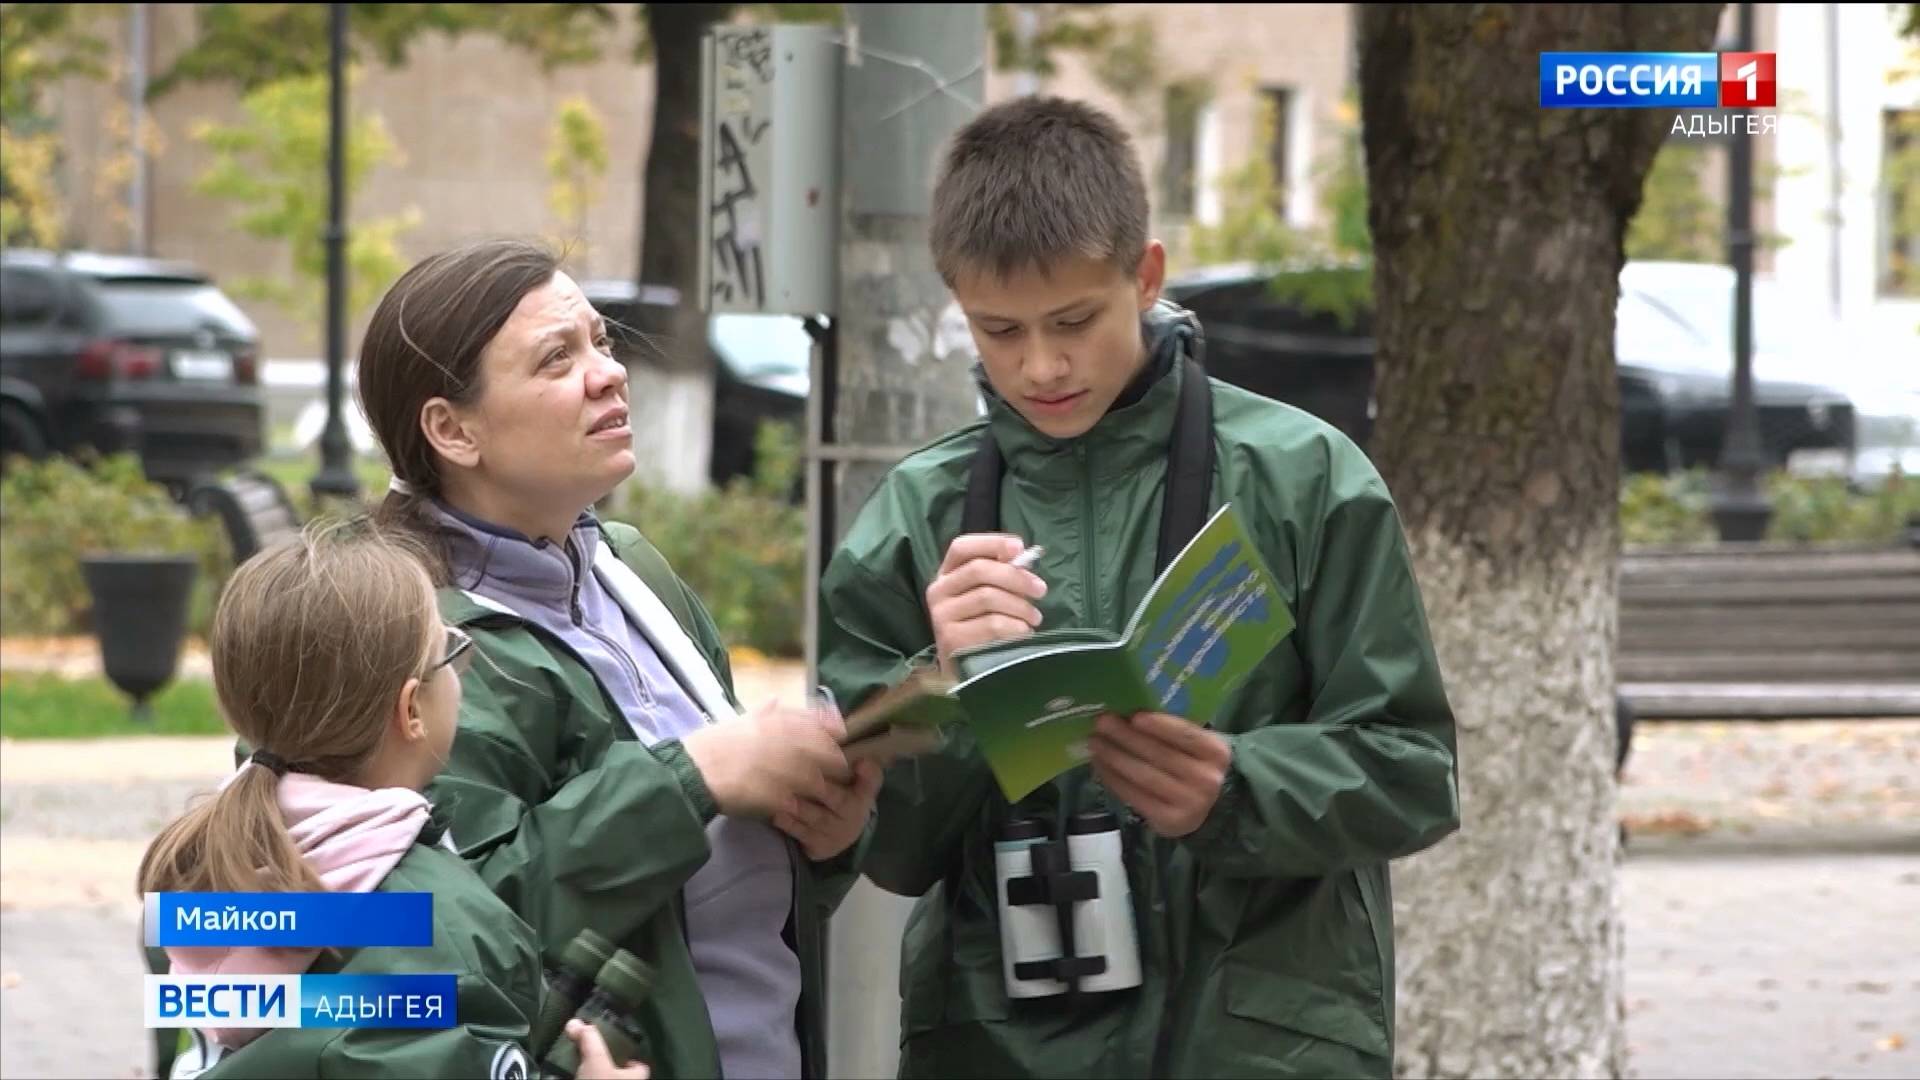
x=738, y=902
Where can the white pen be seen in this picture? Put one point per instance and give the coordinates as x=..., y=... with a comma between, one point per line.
x=1029, y=557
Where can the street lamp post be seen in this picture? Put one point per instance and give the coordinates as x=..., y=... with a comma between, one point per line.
x=1741, y=509
x=336, y=475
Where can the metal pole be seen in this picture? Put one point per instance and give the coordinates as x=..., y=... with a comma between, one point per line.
x=1834, y=184
x=336, y=475
x=137, y=105
x=914, y=74
x=1740, y=507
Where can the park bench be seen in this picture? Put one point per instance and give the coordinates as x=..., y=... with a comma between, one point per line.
x=1770, y=631
x=252, y=507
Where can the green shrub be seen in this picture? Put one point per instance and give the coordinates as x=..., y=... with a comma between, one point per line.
x=1662, y=509
x=54, y=512
x=1828, y=511
x=742, y=549
x=1678, y=509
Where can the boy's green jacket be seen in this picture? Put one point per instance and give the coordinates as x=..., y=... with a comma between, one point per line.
x=496, y=995
x=1266, y=935
x=576, y=824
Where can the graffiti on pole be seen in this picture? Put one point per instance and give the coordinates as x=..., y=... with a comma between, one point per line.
x=736, y=215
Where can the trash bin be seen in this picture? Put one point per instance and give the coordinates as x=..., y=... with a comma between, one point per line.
x=140, y=607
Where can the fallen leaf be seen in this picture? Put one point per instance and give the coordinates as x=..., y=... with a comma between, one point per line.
x=1892, y=1042
x=1866, y=986
x=1829, y=790
x=1681, y=822
x=9, y=980
x=1776, y=789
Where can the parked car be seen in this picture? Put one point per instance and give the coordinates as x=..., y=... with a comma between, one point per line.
x=1674, y=384
x=1801, y=389
x=762, y=365
x=1795, y=340
x=119, y=353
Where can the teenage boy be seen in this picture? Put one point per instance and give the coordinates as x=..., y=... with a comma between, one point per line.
x=1256, y=849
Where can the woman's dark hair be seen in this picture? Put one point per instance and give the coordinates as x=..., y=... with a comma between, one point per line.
x=424, y=341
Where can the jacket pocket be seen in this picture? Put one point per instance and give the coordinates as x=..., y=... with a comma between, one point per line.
x=1332, y=1034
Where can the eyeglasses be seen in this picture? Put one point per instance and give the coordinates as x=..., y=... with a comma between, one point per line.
x=458, y=655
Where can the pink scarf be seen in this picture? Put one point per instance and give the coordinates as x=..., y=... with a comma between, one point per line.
x=351, y=836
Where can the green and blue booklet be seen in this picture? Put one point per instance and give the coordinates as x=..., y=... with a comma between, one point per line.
x=1210, y=619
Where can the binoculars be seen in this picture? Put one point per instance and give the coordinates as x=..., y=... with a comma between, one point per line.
x=1066, y=910
x=601, y=985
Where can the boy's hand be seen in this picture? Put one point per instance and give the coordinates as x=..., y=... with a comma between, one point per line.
x=977, y=597
x=1167, y=769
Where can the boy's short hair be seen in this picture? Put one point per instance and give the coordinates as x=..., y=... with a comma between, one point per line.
x=1036, y=180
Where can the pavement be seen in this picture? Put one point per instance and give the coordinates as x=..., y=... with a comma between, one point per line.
x=1773, y=964
x=1768, y=893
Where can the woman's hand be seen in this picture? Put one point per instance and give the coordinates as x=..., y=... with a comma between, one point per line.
x=770, y=761
x=827, y=828
x=596, y=1062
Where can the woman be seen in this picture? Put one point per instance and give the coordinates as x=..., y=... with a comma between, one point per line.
x=604, y=776
x=330, y=661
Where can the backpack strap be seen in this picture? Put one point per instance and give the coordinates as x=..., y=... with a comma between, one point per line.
x=1189, y=467
x=982, y=512
x=1189, y=472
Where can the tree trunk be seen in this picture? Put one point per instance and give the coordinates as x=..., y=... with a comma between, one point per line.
x=672, y=393
x=1498, y=230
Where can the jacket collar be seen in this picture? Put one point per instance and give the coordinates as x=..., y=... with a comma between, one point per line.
x=1135, y=432
x=483, y=552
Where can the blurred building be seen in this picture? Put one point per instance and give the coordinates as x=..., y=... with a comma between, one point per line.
x=1849, y=91
x=472, y=121
x=1205, y=89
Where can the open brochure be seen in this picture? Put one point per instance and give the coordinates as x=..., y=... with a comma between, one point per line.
x=1210, y=619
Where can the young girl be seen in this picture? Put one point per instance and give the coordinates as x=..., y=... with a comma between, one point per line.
x=331, y=662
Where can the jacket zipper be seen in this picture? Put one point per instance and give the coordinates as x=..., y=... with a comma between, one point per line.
x=1090, y=530
x=1162, y=858
x=1087, y=530
x=613, y=648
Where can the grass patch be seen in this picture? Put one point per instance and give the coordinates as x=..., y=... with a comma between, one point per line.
x=39, y=705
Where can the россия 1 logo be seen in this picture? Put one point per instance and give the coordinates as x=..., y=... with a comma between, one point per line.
x=1656, y=80
x=1746, y=80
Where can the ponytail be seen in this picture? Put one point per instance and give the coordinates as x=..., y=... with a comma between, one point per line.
x=236, y=841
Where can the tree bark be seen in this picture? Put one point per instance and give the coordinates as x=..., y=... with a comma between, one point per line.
x=1498, y=229
x=674, y=387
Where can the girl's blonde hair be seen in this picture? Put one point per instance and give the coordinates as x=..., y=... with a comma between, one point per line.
x=312, y=642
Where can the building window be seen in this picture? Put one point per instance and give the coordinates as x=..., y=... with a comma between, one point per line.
x=1277, y=103
x=1899, y=232
x=1180, y=162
